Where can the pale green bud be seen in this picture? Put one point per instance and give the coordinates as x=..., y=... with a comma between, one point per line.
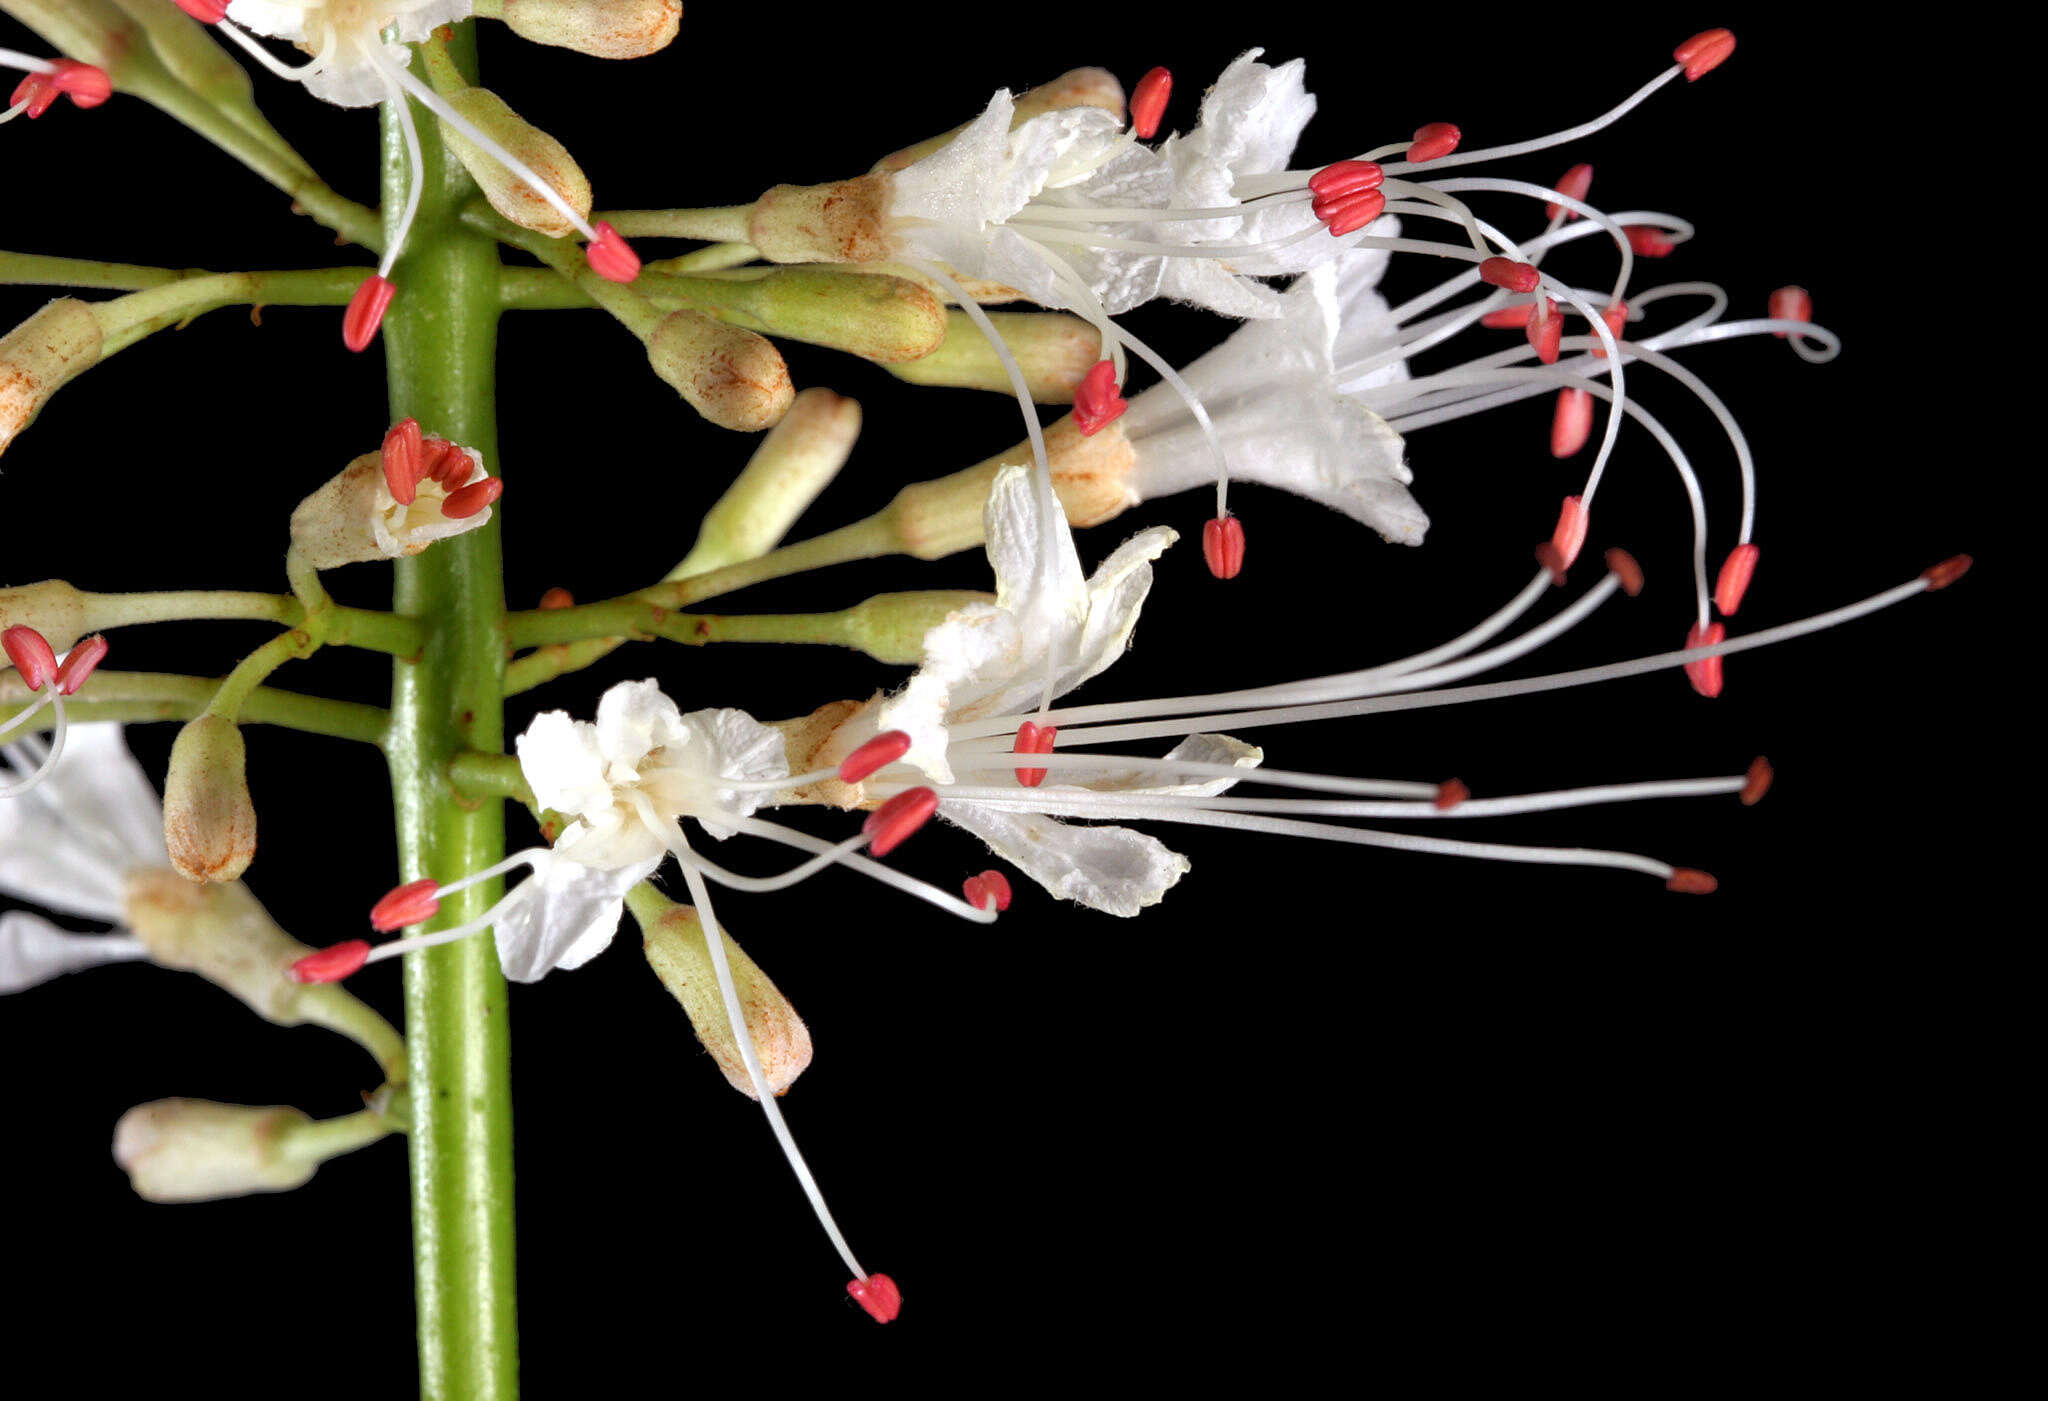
x=846, y=221
x=890, y=627
x=797, y=459
x=193, y=1150
x=878, y=317
x=731, y=376
x=209, y=820
x=1053, y=349
x=601, y=28
x=53, y=608
x=548, y=158
x=42, y=355
x=676, y=949
x=221, y=932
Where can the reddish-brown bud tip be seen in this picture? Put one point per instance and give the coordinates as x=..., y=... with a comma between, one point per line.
x=1450, y=793
x=879, y=1295
x=79, y=663
x=891, y=824
x=1704, y=52
x=988, y=888
x=1757, y=782
x=1509, y=274
x=557, y=597
x=1097, y=398
x=1687, y=881
x=878, y=753
x=413, y=903
x=1148, y=103
x=1577, y=183
x=1434, y=140
x=1223, y=546
x=30, y=652
x=1947, y=572
x=1622, y=565
x=610, y=256
x=331, y=965
x=1733, y=581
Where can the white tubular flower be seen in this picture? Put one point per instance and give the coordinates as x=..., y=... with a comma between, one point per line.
x=347, y=39
x=395, y=502
x=69, y=845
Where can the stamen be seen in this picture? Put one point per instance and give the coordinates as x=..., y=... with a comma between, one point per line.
x=404, y=466
x=610, y=256
x=1705, y=674
x=557, y=597
x=1757, y=782
x=467, y=501
x=365, y=312
x=1451, y=793
x=1345, y=214
x=1622, y=565
x=79, y=663
x=1615, y=317
x=1649, y=241
x=1148, y=106
x=1947, y=572
x=1570, y=535
x=1223, y=546
x=878, y=1294
x=1790, y=304
x=1575, y=182
x=988, y=891
x=1509, y=274
x=413, y=903
x=1704, y=52
x=333, y=963
x=1572, y=424
x=894, y=821
x=1509, y=318
x=1034, y=739
x=1096, y=399
x=1733, y=581
x=1552, y=558
x=205, y=11
x=1434, y=140
x=1687, y=881
x=1546, y=330
x=1346, y=178
x=30, y=652
x=878, y=753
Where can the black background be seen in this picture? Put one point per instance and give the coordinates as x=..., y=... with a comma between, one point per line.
x=1323, y=1107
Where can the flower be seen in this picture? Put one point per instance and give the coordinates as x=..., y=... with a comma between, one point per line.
x=395, y=502
x=346, y=38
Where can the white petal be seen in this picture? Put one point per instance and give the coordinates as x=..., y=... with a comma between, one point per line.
x=737, y=746
x=563, y=764
x=634, y=718
x=69, y=843
x=1112, y=869
x=567, y=917
x=1116, y=592
x=33, y=950
x=952, y=185
x=1195, y=749
x=977, y=642
x=1037, y=568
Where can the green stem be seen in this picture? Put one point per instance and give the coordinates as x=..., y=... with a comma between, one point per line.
x=143, y=696
x=440, y=341
x=727, y=224
x=126, y=320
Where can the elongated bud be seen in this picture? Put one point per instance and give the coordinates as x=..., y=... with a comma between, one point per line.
x=193, y=1150
x=680, y=957
x=1080, y=87
x=53, y=608
x=209, y=821
x=1093, y=475
x=600, y=28
x=797, y=459
x=1054, y=350
x=890, y=627
x=509, y=194
x=731, y=376
x=222, y=933
x=354, y=518
x=874, y=315
x=42, y=355
x=845, y=221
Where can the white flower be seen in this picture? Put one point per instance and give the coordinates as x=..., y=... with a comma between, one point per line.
x=990, y=660
x=625, y=781
x=70, y=845
x=1285, y=410
x=354, y=517
x=347, y=38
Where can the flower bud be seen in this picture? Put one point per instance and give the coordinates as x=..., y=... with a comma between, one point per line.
x=1082, y=87
x=846, y=221
x=600, y=28
x=1091, y=474
x=510, y=195
x=677, y=951
x=354, y=518
x=797, y=459
x=890, y=627
x=221, y=932
x=1053, y=349
x=192, y=1150
x=878, y=317
x=731, y=376
x=41, y=355
x=209, y=822
x=53, y=608
x=195, y=58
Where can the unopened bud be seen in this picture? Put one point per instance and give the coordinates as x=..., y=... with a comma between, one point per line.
x=890, y=627
x=196, y=59
x=53, y=608
x=548, y=158
x=221, y=932
x=846, y=221
x=40, y=356
x=679, y=955
x=1053, y=349
x=209, y=821
x=600, y=28
x=354, y=518
x=1091, y=473
x=193, y=1150
x=878, y=317
x=797, y=459
x=731, y=376
x=1082, y=87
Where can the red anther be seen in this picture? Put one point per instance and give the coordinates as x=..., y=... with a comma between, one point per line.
x=1349, y=213
x=879, y=1295
x=30, y=652
x=1757, y=782
x=467, y=501
x=78, y=664
x=1034, y=739
x=1575, y=182
x=1649, y=241
x=84, y=84
x=557, y=597
x=1552, y=558
x=1705, y=674
x=441, y=461
x=1572, y=424
x=1097, y=399
x=1622, y=565
x=1545, y=331
x=1704, y=52
x=1223, y=546
x=1433, y=140
x=366, y=312
x=890, y=824
x=333, y=963
x=1148, y=103
x=989, y=886
x=1509, y=318
x=1790, y=304
x=1733, y=581
x=1570, y=535
x=1345, y=178
x=878, y=753
x=404, y=465
x=205, y=11
x=1450, y=793
x=611, y=257
x=1947, y=572
x=1616, y=317
x=34, y=94
x=408, y=904
x=1506, y=272
x=1687, y=881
